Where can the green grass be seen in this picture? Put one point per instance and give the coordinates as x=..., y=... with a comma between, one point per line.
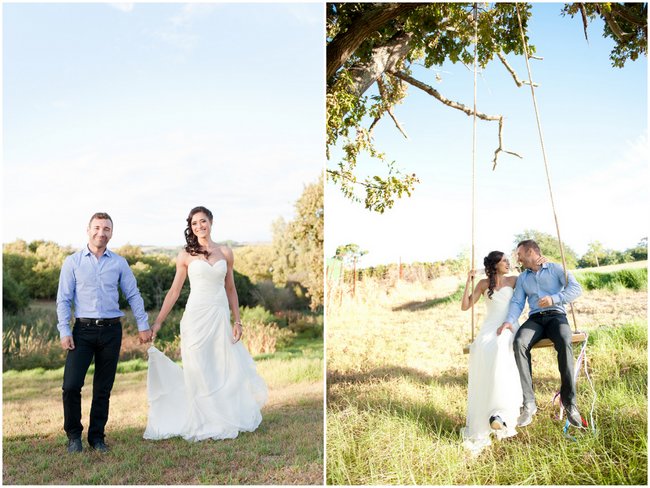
x=634, y=279
x=397, y=390
x=286, y=449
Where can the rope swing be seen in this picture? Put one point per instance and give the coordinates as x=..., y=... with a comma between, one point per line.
x=577, y=337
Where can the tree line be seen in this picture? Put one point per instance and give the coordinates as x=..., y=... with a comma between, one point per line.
x=596, y=255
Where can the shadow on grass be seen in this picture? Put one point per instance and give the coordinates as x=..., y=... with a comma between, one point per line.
x=394, y=372
x=443, y=422
x=427, y=304
x=286, y=449
x=428, y=417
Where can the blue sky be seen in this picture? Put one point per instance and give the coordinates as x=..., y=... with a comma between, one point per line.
x=594, y=120
x=147, y=110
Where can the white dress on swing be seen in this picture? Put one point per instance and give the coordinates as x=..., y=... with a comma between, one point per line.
x=217, y=393
x=494, y=387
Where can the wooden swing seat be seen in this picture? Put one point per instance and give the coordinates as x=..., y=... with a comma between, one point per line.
x=576, y=337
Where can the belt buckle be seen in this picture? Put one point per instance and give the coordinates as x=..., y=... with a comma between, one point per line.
x=98, y=322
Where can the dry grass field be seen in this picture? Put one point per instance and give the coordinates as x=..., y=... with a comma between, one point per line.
x=286, y=449
x=397, y=388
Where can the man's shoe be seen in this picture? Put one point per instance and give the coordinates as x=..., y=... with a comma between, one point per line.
x=74, y=445
x=99, y=446
x=573, y=416
x=497, y=422
x=526, y=416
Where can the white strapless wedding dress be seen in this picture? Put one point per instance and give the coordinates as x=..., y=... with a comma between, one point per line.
x=217, y=393
x=494, y=387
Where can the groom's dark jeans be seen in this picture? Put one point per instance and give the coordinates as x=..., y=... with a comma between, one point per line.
x=103, y=343
x=553, y=325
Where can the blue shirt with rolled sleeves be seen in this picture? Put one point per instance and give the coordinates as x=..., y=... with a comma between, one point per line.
x=549, y=280
x=91, y=285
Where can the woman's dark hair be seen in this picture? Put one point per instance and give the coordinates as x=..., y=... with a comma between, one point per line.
x=193, y=246
x=490, y=262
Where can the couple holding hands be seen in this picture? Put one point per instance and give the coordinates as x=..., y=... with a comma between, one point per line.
x=216, y=394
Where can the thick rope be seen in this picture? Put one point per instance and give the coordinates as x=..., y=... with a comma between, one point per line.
x=473, y=265
x=548, y=176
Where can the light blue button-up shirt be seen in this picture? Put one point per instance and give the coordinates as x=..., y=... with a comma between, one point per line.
x=548, y=281
x=91, y=285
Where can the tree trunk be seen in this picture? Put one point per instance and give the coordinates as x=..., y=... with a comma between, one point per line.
x=383, y=59
x=345, y=43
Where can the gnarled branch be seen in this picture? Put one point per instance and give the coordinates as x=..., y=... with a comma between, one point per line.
x=345, y=43
x=459, y=106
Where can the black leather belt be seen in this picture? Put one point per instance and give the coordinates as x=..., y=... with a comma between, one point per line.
x=548, y=312
x=98, y=322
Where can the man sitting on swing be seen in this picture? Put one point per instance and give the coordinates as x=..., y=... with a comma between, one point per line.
x=547, y=290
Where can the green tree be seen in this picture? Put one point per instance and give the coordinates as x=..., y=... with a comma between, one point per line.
x=15, y=295
x=298, y=246
x=307, y=233
x=255, y=261
x=594, y=256
x=549, y=246
x=284, y=252
x=377, y=44
x=640, y=251
x=350, y=254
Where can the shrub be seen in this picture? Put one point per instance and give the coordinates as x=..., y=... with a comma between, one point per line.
x=15, y=296
x=258, y=314
x=261, y=338
x=309, y=325
x=289, y=297
x=635, y=279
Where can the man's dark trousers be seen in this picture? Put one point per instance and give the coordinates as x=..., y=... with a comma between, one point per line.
x=103, y=343
x=555, y=326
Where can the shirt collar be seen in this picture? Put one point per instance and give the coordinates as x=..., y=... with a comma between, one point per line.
x=544, y=266
x=86, y=251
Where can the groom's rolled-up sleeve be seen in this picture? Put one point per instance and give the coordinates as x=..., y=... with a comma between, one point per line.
x=571, y=290
x=129, y=287
x=64, y=297
x=517, y=302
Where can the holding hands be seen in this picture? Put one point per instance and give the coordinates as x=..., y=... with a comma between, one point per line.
x=144, y=336
x=154, y=331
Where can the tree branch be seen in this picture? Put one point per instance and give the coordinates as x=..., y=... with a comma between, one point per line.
x=613, y=25
x=518, y=82
x=459, y=106
x=383, y=59
x=345, y=43
x=388, y=108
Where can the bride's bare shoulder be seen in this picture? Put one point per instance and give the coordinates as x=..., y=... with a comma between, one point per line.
x=183, y=257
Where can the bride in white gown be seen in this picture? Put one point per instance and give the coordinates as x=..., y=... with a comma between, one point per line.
x=494, y=389
x=217, y=393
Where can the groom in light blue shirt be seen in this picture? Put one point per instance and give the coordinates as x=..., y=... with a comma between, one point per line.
x=547, y=290
x=89, y=281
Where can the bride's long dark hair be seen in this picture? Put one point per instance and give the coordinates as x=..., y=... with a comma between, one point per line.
x=192, y=242
x=490, y=262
